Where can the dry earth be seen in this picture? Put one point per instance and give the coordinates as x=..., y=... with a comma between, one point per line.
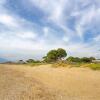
x=18, y=82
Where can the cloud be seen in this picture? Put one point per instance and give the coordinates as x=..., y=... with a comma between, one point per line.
x=60, y=11
x=27, y=35
x=7, y=20
x=88, y=19
x=62, y=25
x=46, y=31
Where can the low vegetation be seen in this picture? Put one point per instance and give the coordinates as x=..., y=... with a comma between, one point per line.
x=94, y=66
x=68, y=64
x=80, y=60
x=57, y=58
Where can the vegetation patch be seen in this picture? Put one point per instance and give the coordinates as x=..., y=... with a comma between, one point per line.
x=58, y=58
x=94, y=66
x=68, y=64
x=60, y=64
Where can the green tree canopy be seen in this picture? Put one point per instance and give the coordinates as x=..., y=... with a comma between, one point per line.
x=54, y=55
x=61, y=53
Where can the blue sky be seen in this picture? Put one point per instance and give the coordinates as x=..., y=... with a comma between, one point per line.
x=30, y=28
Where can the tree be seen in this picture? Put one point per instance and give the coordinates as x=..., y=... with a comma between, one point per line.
x=92, y=58
x=61, y=53
x=54, y=55
x=70, y=59
x=85, y=59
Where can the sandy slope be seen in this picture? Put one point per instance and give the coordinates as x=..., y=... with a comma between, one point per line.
x=46, y=83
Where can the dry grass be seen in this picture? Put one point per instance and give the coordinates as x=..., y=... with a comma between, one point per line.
x=14, y=85
x=93, y=66
x=18, y=82
x=67, y=64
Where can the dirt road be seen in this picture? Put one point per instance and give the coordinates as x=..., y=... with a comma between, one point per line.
x=18, y=82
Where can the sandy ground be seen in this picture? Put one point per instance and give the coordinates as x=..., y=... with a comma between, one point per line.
x=18, y=82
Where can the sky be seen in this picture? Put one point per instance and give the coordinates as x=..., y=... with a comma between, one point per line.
x=30, y=28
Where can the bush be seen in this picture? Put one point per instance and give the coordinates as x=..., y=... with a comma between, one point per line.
x=81, y=60
x=32, y=61
x=73, y=59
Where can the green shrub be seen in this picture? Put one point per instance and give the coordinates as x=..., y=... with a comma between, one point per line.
x=80, y=60
x=73, y=59
x=32, y=61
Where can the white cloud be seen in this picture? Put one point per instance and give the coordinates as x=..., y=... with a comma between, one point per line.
x=88, y=18
x=97, y=38
x=65, y=39
x=2, y=2
x=53, y=9
x=46, y=31
x=25, y=40
x=8, y=20
x=59, y=11
x=26, y=35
